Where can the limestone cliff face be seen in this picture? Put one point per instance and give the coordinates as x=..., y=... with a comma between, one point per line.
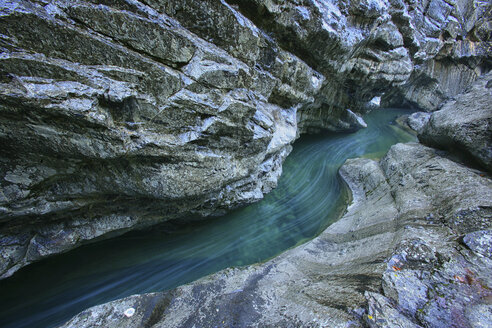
x=114, y=116
x=455, y=49
x=409, y=52
x=118, y=114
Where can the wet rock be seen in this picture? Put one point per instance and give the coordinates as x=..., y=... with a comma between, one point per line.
x=374, y=103
x=135, y=311
x=424, y=182
x=464, y=124
x=113, y=112
x=306, y=286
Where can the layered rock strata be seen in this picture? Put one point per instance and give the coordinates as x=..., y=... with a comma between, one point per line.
x=116, y=117
x=415, y=53
x=455, y=50
x=414, y=249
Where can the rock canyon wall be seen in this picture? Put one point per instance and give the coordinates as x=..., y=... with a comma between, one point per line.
x=119, y=114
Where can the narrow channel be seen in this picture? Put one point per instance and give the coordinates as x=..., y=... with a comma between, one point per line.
x=309, y=197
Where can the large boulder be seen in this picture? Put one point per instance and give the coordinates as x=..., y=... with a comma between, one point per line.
x=464, y=124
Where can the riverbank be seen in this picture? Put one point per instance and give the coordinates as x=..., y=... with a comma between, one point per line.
x=117, y=116
x=113, y=112
x=397, y=240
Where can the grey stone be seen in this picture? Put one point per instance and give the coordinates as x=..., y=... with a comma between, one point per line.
x=418, y=120
x=464, y=124
x=383, y=240
x=114, y=111
x=448, y=59
x=112, y=114
x=366, y=48
x=383, y=314
x=306, y=286
x=480, y=242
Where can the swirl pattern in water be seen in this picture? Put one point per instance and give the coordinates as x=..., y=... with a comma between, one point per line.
x=309, y=197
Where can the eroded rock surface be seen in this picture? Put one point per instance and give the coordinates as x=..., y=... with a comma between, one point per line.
x=395, y=259
x=417, y=121
x=118, y=114
x=465, y=124
x=114, y=116
x=448, y=59
x=410, y=52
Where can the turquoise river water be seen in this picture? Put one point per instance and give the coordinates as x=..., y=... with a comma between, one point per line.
x=309, y=197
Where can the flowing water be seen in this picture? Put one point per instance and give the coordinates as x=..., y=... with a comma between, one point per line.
x=309, y=197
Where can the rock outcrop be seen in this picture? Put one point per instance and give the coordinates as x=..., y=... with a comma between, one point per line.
x=116, y=117
x=412, y=250
x=464, y=124
x=118, y=114
x=415, y=53
x=449, y=58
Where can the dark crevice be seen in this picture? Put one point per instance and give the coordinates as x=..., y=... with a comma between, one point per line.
x=122, y=110
x=155, y=311
x=31, y=111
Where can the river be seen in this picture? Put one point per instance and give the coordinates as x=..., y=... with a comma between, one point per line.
x=309, y=197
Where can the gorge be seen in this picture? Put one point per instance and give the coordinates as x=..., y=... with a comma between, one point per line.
x=309, y=197
x=119, y=115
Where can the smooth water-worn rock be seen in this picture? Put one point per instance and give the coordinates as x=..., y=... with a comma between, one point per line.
x=417, y=121
x=464, y=124
x=116, y=115
x=401, y=233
